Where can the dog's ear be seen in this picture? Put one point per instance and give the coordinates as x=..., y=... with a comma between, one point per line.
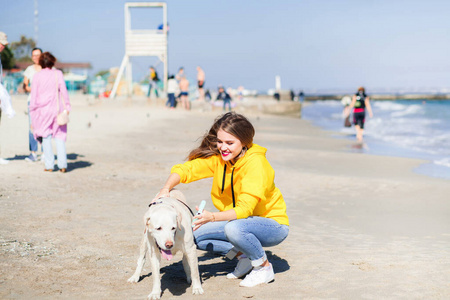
x=179, y=218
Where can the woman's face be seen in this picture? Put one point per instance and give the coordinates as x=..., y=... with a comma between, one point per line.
x=229, y=146
x=35, y=56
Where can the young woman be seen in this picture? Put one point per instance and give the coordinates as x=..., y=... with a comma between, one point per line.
x=360, y=102
x=252, y=211
x=47, y=87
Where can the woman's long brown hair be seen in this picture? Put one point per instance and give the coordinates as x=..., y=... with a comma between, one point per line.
x=232, y=123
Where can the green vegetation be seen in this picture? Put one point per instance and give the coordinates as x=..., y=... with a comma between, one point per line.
x=22, y=49
x=8, y=60
x=101, y=73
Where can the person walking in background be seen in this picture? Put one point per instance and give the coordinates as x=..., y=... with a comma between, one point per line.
x=28, y=75
x=301, y=96
x=276, y=95
x=225, y=97
x=207, y=96
x=240, y=93
x=201, y=83
x=5, y=98
x=252, y=211
x=153, y=82
x=48, y=91
x=292, y=95
x=180, y=74
x=360, y=102
x=172, y=88
x=184, y=92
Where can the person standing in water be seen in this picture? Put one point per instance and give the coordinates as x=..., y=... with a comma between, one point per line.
x=360, y=102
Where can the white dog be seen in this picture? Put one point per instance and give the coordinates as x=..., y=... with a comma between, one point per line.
x=168, y=229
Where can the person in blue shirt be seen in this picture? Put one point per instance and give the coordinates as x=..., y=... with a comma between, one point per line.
x=225, y=97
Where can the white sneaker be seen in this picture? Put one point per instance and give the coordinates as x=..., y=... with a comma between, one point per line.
x=31, y=158
x=258, y=276
x=3, y=161
x=244, y=266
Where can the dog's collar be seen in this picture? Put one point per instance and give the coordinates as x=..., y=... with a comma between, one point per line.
x=153, y=203
x=160, y=202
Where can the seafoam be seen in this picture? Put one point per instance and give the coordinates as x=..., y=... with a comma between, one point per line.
x=406, y=128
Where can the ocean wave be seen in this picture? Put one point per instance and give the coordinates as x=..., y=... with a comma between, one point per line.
x=410, y=110
x=443, y=162
x=337, y=116
x=414, y=140
x=329, y=103
x=403, y=128
x=385, y=125
x=389, y=105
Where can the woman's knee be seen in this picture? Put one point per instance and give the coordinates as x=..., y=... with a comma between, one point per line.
x=213, y=230
x=233, y=229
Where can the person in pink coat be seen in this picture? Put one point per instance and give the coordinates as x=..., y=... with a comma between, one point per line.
x=44, y=110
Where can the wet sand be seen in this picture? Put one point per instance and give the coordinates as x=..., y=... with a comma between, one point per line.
x=362, y=226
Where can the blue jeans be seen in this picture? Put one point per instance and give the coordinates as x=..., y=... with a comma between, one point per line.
x=227, y=102
x=31, y=140
x=49, y=157
x=248, y=236
x=171, y=100
x=152, y=84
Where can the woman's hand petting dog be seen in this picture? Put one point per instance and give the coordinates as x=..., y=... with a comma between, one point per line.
x=164, y=192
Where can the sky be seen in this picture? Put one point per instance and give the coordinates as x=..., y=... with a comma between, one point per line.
x=314, y=45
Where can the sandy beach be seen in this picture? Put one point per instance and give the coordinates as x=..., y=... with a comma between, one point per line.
x=362, y=226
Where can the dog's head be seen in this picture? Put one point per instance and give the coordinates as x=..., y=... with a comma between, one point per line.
x=162, y=222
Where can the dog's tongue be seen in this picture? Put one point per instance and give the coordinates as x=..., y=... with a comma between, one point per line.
x=167, y=254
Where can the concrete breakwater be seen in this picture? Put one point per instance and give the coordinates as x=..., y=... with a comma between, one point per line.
x=260, y=104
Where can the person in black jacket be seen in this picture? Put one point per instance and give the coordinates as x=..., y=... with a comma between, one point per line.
x=225, y=97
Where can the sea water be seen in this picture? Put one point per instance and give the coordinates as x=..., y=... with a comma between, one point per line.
x=405, y=128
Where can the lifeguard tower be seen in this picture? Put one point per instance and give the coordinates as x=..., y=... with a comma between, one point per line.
x=142, y=42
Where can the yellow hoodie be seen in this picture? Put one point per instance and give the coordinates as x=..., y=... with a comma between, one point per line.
x=253, y=185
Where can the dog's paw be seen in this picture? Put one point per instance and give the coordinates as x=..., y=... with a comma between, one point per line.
x=154, y=295
x=134, y=278
x=198, y=290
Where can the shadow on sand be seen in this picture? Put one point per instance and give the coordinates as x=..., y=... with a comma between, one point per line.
x=279, y=265
x=72, y=161
x=173, y=277
x=78, y=164
x=17, y=157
